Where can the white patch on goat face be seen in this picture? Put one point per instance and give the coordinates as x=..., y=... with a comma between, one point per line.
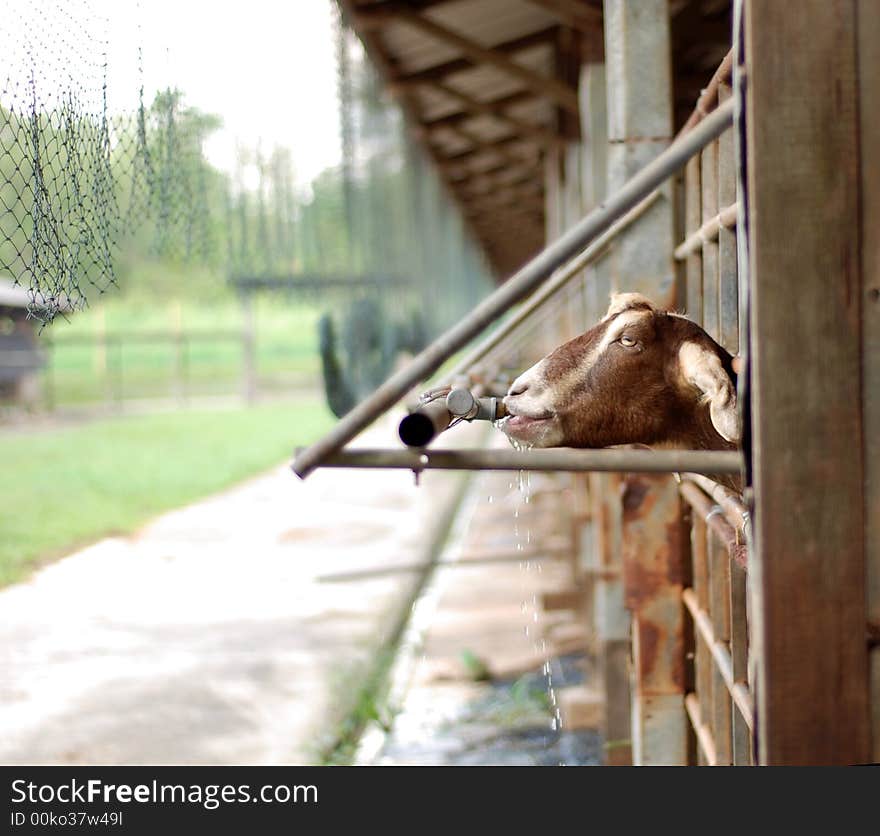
x=536, y=397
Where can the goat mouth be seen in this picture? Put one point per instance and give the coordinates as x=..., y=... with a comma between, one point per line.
x=526, y=425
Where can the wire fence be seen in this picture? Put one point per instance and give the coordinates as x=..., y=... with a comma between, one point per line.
x=91, y=192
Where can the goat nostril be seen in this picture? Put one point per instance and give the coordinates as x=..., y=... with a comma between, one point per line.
x=517, y=389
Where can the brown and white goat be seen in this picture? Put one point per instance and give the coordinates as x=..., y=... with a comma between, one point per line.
x=641, y=376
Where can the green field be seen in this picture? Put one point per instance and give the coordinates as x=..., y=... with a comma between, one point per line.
x=206, y=360
x=65, y=487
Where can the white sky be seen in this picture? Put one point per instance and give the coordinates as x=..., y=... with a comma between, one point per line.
x=267, y=68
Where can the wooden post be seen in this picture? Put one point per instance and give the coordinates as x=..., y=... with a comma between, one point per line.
x=869, y=127
x=693, y=219
x=728, y=294
x=808, y=625
x=709, y=184
x=639, y=110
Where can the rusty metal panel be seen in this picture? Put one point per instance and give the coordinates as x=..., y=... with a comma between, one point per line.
x=611, y=619
x=654, y=548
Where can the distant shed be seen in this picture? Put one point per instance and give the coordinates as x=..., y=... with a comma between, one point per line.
x=21, y=357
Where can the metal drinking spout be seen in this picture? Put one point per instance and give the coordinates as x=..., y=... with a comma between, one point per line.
x=441, y=408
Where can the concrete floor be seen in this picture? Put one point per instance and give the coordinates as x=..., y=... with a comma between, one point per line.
x=208, y=637
x=486, y=606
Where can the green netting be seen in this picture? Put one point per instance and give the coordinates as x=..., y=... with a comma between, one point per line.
x=399, y=224
x=88, y=194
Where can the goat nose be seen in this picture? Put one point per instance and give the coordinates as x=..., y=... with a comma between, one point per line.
x=517, y=388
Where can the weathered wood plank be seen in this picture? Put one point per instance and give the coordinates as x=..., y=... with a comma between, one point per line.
x=702, y=656
x=719, y=613
x=693, y=214
x=728, y=298
x=808, y=564
x=869, y=114
x=739, y=656
x=709, y=186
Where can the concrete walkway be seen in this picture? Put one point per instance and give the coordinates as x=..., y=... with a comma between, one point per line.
x=494, y=678
x=207, y=637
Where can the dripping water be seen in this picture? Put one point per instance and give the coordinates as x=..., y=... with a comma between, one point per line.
x=530, y=609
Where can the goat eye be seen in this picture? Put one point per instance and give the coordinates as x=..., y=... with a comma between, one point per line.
x=629, y=342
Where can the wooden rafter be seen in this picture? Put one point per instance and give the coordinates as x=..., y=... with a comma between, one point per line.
x=483, y=185
x=574, y=13
x=562, y=94
x=524, y=192
x=502, y=103
x=476, y=107
x=512, y=155
x=457, y=65
x=458, y=157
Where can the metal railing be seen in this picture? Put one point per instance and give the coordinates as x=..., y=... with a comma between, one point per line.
x=526, y=281
x=675, y=548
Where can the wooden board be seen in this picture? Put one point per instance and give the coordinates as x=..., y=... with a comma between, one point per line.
x=869, y=96
x=809, y=566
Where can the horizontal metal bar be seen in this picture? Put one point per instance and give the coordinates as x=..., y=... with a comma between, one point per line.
x=739, y=692
x=701, y=729
x=555, y=283
x=558, y=459
x=517, y=287
x=725, y=219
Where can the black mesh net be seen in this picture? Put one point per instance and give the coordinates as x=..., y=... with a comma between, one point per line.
x=374, y=242
x=401, y=229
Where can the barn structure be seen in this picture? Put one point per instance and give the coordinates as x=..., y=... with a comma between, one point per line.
x=20, y=355
x=724, y=159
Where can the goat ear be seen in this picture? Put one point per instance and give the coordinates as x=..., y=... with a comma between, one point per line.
x=702, y=368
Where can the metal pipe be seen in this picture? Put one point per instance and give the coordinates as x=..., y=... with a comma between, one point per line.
x=434, y=416
x=739, y=691
x=709, y=94
x=701, y=729
x=517, y=287
x=714, y=462
x=725, y=219
x=424, y=424
x=715, y=519
x=554, y=284
x=734, y=508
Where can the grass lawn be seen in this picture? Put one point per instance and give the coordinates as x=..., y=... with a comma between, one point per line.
x=67, y=487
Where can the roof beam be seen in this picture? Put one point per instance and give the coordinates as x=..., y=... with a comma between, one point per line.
x=501, y=103
x=476, y=107
x=564, y=95
x=542, y=37
x=473, y=186
x=488, y=145
x=574, y=13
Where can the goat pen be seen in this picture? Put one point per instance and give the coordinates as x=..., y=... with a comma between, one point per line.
x=728, y=629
